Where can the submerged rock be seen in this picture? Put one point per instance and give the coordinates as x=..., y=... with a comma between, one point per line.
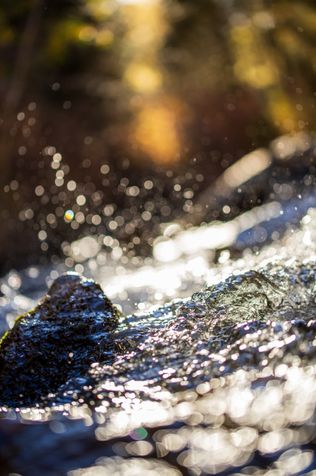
x=58, y=340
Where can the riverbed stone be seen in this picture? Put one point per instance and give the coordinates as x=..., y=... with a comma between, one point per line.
x=69, y=330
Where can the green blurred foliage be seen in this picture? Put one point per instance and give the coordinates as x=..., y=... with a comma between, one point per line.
x=263, y=47
x=209, y=52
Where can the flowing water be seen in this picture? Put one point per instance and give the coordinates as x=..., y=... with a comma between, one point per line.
x=216, y=371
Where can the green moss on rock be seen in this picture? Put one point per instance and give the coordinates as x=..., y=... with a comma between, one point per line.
x=71, y=328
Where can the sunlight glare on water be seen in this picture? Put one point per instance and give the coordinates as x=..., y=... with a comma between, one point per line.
x=213, y=378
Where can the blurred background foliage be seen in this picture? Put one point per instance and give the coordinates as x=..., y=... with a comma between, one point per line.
x=121, y=112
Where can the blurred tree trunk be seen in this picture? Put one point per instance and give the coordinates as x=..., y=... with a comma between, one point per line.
x=16, y=86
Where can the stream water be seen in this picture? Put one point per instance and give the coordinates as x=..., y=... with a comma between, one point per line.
x=217, y=373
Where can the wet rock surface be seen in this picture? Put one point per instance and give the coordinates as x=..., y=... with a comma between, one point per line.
x=57, y=341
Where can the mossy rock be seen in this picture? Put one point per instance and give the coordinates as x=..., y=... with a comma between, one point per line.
x=71, y=328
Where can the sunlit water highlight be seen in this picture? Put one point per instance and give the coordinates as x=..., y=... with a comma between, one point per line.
x=217, y=382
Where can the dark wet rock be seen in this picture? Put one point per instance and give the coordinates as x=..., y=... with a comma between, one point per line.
x=57, y=341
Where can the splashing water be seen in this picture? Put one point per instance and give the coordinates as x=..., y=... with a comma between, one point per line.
x=223, y=381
